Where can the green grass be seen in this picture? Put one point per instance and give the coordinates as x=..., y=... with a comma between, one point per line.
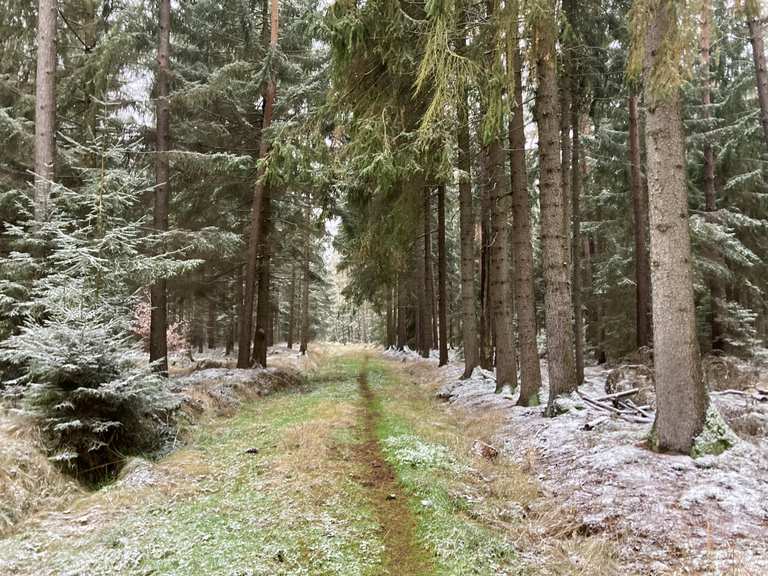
x=432, y=474
x=242, y=516
x=291, y=509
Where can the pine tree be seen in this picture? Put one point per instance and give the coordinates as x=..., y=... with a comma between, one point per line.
x=158, y=345
x=682, y=400
x=555, y=252
x=45, y=106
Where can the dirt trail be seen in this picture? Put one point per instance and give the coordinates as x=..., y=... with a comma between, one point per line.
x=403, y=554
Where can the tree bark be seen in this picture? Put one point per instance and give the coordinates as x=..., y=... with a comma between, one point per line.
x=442, y=275
x=576, y=183
x=158, y=331
x=758, y=55
x=486, y=209
x=264, y=297
x=246, y=322
x=390, y=317
x=706, y=101
x=467, y=243
x=402, y=313
x=305, y=279
x=429, y=284
x=292, y=307
x=710, y=195
x=640, y=212
x=45, y=107
x=681, y=397
x=555, y=250
x=210, y=328
x=525, y=298
x=500, y=289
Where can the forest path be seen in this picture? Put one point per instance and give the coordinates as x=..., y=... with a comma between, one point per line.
x=402, y=552
x=362, y=473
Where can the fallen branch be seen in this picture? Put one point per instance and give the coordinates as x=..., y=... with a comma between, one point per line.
x=759, y=396
x=617, y=395
x=635, y=408
x=621, y=414
x=592, y=424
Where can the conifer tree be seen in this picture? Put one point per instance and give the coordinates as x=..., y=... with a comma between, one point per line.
x=555, y=250
x=45, y=106
x=158, y=344
x=682, y=400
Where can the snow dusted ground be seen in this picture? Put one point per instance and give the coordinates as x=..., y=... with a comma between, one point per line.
x=666, y=514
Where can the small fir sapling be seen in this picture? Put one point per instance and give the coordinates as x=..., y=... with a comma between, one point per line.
x=82, y=371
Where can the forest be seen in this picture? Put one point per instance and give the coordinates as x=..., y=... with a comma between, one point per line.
x=369, y=287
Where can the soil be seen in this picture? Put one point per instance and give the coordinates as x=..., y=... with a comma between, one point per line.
x=403, y=554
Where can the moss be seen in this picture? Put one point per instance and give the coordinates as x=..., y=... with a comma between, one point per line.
x=716, y=436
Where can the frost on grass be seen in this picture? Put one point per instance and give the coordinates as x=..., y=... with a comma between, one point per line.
x=460, y=545
x=715, y=438
x=408, y=450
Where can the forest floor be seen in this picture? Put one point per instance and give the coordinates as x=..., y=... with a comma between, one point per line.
x=360, y=472
x=661, y=514
x=363, y=471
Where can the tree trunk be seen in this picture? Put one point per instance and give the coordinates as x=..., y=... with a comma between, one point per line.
x=264, y=296
x=640, y=211
x=291, y=307
x=442, y=275
x=402, y=314
x=305, y=278
x=45, y=107
x=565, y=147
x=576, y=181
x=246, y=322
x=486, y=207
x=158, y=331
x=210, y=328
x=681, y=397
x=555, y=250
x=467, y=243
x=758, y=55
x=500, y=289
x=706, y=100
x=429, y=283
x=710, y=196
x=390, y=333
x=525, y=298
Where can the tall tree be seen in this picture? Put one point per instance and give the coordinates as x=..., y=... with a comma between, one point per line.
x=442, y=277
x=554, y=241
x=45, y=106
x=304, y=343
x=467, y=237
x=576, y=88
x=525, y=297
x=158, y=340
x=639, y=193
x=291, y=306
x=254, y=240
x=710, y=194
x=755, y=23
x=576, y=185
x=682, y=399
x=430, y=331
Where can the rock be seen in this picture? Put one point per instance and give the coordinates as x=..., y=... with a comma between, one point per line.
x=631, y=376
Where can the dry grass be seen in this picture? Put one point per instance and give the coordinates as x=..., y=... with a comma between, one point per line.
x=553, y=536
x=28, y=480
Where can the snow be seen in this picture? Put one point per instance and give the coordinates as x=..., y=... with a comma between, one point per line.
x=667, y=513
